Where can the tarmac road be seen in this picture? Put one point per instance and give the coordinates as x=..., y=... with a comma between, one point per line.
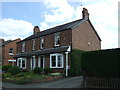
x=72, y=82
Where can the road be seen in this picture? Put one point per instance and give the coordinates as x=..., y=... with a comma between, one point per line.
x=74, y=82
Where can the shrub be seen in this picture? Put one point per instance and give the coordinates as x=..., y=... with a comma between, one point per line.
x=37, y=70
x=47, y=71
x=23, y=80
x=6, y=67
x=24, y=70
x=75, y=59
x=14, y=70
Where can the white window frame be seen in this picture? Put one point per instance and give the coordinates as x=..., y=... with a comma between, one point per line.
x=33, y=44
x=62, y=60
x=41, y=42
x=23, y=47
x=39, y=61
x=21, y=61
x=33, y=61
x=56, y=36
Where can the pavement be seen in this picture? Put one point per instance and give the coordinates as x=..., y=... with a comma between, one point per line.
x=71, y=82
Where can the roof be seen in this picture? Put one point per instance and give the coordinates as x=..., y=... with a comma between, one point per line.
x=45, y=51
x=67, y=26
x=8, y=41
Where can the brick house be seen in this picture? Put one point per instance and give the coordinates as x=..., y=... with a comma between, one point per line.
x=51, y=48
x=8, y=50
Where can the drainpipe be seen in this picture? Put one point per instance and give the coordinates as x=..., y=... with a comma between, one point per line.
x=66, y=63
x=68, y=50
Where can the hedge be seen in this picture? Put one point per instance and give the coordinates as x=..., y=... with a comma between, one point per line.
x=101, y=62
x=75, y=60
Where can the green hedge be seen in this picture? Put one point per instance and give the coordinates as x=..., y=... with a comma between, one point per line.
x=101, y=63
x=75, y=60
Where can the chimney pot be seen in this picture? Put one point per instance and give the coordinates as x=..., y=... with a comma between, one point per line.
x=85, y=13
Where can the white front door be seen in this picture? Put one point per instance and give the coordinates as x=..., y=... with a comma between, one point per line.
x=41, y=62
x=33, y=62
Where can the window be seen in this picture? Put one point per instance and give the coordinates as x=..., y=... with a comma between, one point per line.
x=33, y=62
x=56, y=60
x=23, y=47
x=57, y=39
x=21, y=62
x=42, y=42
x=11, y=51
x=33, y=44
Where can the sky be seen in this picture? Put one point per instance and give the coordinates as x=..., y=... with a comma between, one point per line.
x=18, y=17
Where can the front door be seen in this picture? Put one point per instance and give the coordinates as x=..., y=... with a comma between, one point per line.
x=41, y=62
x=33, y=62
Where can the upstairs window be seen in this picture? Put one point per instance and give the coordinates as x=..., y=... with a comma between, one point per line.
x=57, y=39
x=11, y=51
x=42, y=42
x=33, y=44
x=23, y=47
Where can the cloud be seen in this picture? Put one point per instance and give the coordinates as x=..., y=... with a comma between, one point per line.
x=103, y=15
x=12, y=29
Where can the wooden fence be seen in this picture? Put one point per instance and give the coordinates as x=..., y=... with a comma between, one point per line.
x=102, y=82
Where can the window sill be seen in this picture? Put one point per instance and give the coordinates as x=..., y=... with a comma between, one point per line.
x=57, y=67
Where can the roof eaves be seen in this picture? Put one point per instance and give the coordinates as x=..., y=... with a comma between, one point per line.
x=94, y=30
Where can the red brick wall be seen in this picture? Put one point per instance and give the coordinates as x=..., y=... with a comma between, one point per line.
x=65, y=39
x=6, y=48
x=83, y=34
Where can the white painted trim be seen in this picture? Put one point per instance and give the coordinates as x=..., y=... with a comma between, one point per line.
x=55, y=35
x=41, y=41
x=33, y=61
x=66, y=63
x=21, y=59
x=12, y=60
x=39, y=61
x=57, y=54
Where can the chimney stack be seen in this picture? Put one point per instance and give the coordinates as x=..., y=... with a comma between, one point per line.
x=36, y=29
x=85, y=13
x=1, y=40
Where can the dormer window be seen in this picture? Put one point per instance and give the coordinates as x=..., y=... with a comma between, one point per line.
x=23, y=47
x=57, y=39
x=11, y=51
x=42, y=42
x=33, y=44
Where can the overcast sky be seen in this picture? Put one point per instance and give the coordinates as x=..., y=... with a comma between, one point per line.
x=17, y=18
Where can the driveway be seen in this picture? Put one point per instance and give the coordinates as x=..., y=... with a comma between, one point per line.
x=74, y=82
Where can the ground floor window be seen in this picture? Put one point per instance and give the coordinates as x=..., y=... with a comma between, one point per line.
x=33, y=62
x=56, y=60
x=21, y=62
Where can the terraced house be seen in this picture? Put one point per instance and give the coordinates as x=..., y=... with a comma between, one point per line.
x=51, y=48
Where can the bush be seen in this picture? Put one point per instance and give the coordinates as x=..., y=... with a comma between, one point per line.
x=6, y=67
x=23, y=80
x=37, y=70
x=47, y=71
x=14, y=70
x=75, y=59
x=24, y=70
